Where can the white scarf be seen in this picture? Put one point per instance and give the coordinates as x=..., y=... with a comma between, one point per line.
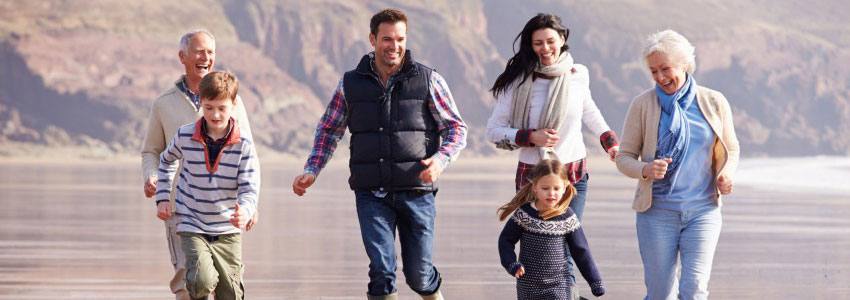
x=556, y=106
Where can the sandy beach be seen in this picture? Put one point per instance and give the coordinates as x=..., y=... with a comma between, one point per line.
x=83, y=230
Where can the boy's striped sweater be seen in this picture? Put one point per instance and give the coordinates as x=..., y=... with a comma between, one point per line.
x=207, y=193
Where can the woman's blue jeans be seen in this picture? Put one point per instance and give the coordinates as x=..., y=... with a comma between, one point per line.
x=667, y=236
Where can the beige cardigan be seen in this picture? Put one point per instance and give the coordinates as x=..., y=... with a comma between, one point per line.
x=171, y=110
x=640, y=137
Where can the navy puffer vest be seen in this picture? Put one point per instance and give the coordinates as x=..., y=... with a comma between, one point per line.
x=392, y=129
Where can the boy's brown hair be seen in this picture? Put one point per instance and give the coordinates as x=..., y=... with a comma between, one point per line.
x=219, y=85
x=389, y=15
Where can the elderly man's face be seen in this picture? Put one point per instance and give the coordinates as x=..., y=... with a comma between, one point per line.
x=667, y=73
x=389, y=44
x=198, y=59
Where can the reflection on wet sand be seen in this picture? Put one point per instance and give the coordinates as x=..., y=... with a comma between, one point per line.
x=84, y=231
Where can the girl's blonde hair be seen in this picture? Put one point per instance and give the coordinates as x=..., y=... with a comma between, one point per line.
x=526, y=194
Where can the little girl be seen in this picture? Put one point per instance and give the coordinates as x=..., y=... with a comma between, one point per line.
x=542, y=220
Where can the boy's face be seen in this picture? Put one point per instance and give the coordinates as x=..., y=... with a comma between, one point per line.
x=217, y=112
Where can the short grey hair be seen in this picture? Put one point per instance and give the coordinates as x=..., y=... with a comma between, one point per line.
x=674, y=45
x=184, y=40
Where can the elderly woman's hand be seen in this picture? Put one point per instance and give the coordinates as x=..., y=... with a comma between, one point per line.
x=656, y=168
x=724, y=184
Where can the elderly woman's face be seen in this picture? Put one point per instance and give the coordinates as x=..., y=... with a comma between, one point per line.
x=547, y=44
x=668, y=74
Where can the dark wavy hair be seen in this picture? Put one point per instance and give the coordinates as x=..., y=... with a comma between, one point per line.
x=524, y=61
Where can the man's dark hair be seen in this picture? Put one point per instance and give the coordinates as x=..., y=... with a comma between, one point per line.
x=389, y=15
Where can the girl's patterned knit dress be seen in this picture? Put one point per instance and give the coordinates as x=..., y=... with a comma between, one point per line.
x=545, y=246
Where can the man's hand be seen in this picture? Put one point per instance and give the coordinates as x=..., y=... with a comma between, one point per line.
x=150, y=186
x=302, y=182
x=239, y=218
x=432, y=171
x=724, y=184
x=657, y=168
x=544, y=137
x=163, y=210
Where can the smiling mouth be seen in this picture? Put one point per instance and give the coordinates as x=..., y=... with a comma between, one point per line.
x=202, y=68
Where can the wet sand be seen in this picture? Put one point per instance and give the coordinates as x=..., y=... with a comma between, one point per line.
x=84, y=231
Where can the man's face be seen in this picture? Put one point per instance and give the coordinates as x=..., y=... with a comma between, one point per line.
x=217, y=112
x=199, y=57
x=389, y=44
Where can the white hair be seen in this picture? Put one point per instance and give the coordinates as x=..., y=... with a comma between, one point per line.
x=674, y=45
x=184, y=40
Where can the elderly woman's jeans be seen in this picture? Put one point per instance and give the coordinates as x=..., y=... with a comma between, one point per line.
x=412, y=213
x=665, y=236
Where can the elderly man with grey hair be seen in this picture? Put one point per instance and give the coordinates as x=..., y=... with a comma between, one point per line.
x=180, y=105
x=680, y=143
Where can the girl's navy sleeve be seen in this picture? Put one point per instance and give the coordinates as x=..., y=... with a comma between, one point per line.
x=580, y=252
x=507, y=241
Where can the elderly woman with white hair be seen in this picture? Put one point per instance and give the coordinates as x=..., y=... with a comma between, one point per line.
x=678, y=140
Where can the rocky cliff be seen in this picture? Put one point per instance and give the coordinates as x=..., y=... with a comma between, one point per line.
x=82, y=74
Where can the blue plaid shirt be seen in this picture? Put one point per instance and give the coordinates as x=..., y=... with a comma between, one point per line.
x=196, y=99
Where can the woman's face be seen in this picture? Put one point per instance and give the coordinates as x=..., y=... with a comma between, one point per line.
x=668, y=74
x=547, y=44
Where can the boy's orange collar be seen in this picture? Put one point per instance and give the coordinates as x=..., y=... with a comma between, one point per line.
x=234, y=137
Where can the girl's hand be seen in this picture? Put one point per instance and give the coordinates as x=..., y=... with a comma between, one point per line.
x=544, y=137
x=520, y=272
x=724, y=184
x=657, y=168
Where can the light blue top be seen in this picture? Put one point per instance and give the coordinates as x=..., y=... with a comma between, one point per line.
x=694, y=186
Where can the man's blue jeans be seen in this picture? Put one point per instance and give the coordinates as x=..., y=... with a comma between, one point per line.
x=412, y=213
x=667, y=236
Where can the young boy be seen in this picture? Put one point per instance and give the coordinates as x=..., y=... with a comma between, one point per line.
x=217, y=191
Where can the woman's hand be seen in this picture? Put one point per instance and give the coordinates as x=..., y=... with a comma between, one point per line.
x=544, y=137
x=724, y=184
x=612, y=152
x=656, y=168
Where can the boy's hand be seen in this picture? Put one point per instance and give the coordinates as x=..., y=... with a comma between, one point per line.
x=150, y=186
x=163, y=210
x=520, y=272
x=239, y=219
x=252, y=221
x=302, y=182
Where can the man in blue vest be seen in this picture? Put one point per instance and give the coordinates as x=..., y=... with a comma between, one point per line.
x=405, y=129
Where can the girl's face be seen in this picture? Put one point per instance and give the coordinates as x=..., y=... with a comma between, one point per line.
x=548, y=190
x=547, y=44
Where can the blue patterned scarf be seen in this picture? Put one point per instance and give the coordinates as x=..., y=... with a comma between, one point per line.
x=673, y=130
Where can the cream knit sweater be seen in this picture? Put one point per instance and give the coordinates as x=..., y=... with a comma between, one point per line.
x=640, y=137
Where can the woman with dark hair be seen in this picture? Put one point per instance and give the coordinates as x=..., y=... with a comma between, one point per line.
x=542, y=98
